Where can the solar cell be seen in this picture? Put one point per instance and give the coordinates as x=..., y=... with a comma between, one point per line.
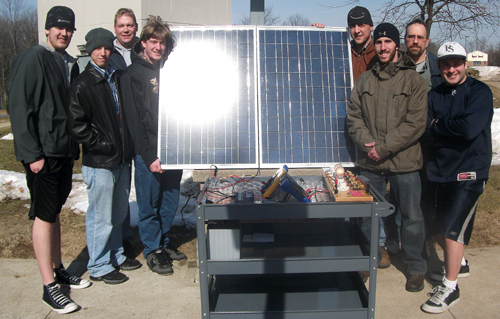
x=255, y=97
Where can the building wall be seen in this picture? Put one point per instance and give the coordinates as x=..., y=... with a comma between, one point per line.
x=91, y=14
x=477, y=58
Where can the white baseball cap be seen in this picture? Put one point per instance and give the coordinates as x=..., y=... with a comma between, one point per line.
x=451, y=50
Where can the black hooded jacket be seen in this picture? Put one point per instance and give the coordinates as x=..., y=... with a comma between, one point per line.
x=139, y=86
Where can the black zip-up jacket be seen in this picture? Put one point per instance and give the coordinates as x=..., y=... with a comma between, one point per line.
x=117, y=61
x=139, y=86
x=38, y=93
x=94, y=121
x=459, y=140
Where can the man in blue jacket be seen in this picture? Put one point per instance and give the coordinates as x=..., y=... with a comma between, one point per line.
x=458, y=136
x=125, y=30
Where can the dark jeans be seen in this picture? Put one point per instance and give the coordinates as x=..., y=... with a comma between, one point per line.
x=157, y=198
x=405, y=194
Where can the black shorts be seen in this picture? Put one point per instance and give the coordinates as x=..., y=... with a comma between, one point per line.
x=49, y=188
x=450, y=208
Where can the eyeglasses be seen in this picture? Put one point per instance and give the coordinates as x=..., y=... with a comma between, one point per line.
x=418, y=37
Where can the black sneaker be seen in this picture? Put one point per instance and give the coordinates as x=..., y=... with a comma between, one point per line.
x=64, y=278
x=174, y=254
x=130, y=264
x=58, y=302
x=160, y=263
x=438, y=275
x=442, y=299
x=113, y=278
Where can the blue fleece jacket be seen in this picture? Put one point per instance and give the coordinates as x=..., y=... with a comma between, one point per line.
x=459, y=140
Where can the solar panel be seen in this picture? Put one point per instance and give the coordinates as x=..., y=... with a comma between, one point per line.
x=255, y=97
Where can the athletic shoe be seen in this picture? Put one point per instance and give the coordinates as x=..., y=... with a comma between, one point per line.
x=364, y=275
x=113, y=278
x=438, y=275
x=160, y=263
x=58, y=302
x=415, y=283
x=130, y=264
x=442, y=299
x=174, y=254
x=64, y=278
x=385, y=261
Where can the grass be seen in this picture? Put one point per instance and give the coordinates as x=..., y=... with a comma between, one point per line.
x=8, y=159
x=3, y=119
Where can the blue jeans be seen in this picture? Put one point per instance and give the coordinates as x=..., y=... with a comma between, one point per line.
x=157, y=199
x=405, y=194
x=108, y=191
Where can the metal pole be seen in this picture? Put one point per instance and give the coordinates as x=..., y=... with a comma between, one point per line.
x=257, y=8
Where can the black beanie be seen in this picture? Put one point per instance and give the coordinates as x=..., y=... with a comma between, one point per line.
x=387, y=30
x=61, y=17
x=98, y=37
x=359, y=15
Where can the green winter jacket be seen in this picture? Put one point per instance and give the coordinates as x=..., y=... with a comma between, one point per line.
x=389, y=107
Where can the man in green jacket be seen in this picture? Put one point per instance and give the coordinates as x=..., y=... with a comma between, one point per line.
x=385, y=118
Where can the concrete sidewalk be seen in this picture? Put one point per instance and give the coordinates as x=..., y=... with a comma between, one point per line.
x=147, y=295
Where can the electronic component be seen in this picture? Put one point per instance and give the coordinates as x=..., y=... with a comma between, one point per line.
x=273, y=182
x=245, y=197
x=289, y=185
x=344, y=186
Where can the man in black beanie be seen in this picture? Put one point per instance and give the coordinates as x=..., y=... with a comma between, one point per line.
x=385, y=118
x=96, y=121
x=38, y=88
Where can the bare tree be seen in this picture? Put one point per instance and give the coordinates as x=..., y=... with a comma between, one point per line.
x=452, y=17
x=269, y=18
x=18, y=31
x=297, y=19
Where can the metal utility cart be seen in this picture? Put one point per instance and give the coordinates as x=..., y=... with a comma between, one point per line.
x=288, y=260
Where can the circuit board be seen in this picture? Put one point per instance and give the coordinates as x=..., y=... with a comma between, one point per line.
x=356, y=193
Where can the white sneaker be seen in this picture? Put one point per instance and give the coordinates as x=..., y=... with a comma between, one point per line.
x=442, y=298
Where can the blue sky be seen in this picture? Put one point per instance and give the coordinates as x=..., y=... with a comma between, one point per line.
x=314, y=10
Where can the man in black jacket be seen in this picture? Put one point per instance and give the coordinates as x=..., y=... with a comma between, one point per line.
x=96, y=121
x=458, y=135
x=157, y=190
x=125, y=30
x=38, y=88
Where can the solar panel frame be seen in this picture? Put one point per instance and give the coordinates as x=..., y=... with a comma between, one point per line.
x=322, y=138
x=227, y=141
x=329, y=143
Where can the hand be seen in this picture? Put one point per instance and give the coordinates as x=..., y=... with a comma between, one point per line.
x=373, y=155
x=432, y=123
x=155, y=167
x=37, y=165
x=318, y=25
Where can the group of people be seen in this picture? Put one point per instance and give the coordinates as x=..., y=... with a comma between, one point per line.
x=419, y=122
x=423, y=126
x=111, y=109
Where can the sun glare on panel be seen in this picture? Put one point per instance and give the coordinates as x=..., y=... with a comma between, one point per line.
x=201, y=81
